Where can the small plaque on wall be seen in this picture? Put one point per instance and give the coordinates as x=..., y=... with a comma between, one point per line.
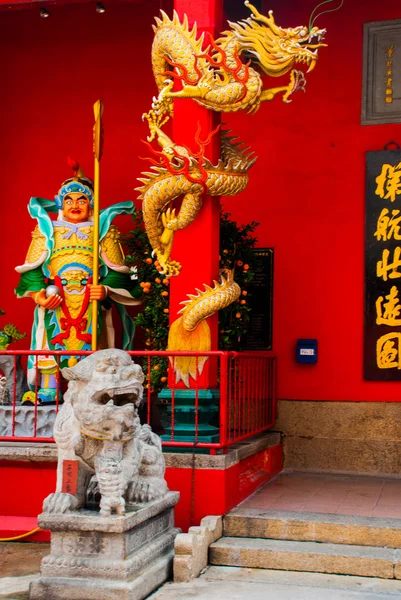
x=260, y=300
x=382, y=339
x=381, y=98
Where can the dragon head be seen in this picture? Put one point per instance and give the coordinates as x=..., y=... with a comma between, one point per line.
x=277, y=50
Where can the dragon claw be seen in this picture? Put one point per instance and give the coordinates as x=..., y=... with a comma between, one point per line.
x=297, y=84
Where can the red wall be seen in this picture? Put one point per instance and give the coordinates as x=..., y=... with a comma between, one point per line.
x=52, y=72
x=307, y=189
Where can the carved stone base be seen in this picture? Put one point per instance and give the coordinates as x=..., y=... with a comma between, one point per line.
x=24, y=420
x=113, y=558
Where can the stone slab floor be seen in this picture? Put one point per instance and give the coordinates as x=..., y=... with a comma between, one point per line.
x=234, y=583
x=332, y=494
x=19, y=564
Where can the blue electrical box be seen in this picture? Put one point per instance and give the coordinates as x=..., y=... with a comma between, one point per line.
x=306, y=351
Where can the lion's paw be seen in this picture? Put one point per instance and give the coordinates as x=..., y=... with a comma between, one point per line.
x=108, y=504
x=59, y=503
x=146, y=489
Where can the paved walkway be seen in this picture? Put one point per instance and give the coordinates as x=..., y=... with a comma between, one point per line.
x=19, y=564
x=332, y=494
x=236, y=583
x=250, y=584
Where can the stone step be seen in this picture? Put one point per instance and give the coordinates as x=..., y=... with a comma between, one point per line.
x=307, y=556
x=313, y=527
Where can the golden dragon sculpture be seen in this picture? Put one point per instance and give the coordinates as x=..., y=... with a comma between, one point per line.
x=216, y=77
x=180, y=173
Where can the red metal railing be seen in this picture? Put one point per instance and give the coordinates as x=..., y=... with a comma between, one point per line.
x=243, y=401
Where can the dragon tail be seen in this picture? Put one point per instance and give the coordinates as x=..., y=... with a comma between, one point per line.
x=197, y=340
x=191, y=332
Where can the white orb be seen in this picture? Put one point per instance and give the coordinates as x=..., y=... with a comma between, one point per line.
x=52, y=290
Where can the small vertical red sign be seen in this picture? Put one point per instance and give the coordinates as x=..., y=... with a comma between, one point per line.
x=70, y=476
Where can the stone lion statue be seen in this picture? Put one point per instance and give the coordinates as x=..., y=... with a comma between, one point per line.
x=98, y=426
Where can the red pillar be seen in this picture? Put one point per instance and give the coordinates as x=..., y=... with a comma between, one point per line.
x=197, y=246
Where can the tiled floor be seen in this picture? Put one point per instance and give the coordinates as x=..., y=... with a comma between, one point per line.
x=333, y=494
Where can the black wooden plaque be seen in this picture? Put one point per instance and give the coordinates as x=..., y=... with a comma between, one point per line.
x=382, y=339
x=260, y=300
x=381, y=96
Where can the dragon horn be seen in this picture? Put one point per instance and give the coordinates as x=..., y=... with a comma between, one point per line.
x=269, y=21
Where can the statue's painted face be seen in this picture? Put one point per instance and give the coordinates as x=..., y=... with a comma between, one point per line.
x=76, y=208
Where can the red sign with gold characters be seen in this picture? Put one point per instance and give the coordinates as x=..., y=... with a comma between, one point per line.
x=383, y=266
x=70, y=476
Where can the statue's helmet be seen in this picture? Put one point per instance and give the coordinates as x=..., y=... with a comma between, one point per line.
x=78, y=184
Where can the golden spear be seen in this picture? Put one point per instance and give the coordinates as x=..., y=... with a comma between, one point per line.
x=98, y=151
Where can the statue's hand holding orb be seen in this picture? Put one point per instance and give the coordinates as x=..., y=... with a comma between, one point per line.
x=49, y=298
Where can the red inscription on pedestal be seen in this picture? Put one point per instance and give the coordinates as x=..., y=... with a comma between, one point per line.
x=70, y=476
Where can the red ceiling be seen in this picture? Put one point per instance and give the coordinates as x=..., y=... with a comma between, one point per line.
x=22, y=4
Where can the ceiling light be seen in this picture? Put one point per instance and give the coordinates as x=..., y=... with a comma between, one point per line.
x=100, y=8
x=44, y=13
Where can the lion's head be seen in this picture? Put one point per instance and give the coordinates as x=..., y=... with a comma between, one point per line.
x=105, y=390
x=274, y=49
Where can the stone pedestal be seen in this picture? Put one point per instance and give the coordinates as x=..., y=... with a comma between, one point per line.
x=108, y=558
